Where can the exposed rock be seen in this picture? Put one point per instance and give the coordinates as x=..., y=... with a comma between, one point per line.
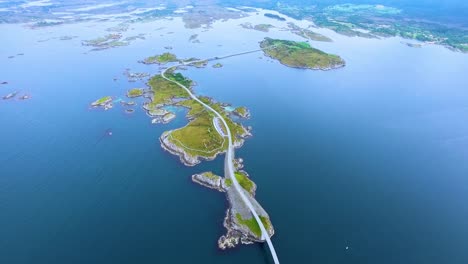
x=10, y=95
x=172, y=148
x=210, y=180
x=168, y=117
x=237, y=230
x=130, y=103
x=242, y=112
x=185, y=157
x=25, y=97
x=163, y=119
x=102, y=102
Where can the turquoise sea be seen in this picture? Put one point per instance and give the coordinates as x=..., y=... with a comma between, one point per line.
x=364, y=164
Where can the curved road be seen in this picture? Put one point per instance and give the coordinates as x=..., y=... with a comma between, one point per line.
x=228, y=162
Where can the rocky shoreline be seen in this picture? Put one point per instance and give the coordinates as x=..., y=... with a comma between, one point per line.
x=329, y=68
x=293, y=54
x=185, y=158
x=237, y=231
x=105, y=102
x=190, y=160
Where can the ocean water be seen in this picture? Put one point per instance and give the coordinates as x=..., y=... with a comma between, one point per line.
x=364, y=164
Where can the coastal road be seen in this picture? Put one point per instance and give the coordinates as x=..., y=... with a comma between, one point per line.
x=228, y=162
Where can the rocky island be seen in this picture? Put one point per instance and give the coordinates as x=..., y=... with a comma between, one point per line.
x=25, y=97
x=105, y=42
x=135, y=92
x=274, y=16
x=258, y=27
x=161, y=59
x=242, y=111
x=10, y=95
x=104, y=102
x=241, y=226
x=300, y=55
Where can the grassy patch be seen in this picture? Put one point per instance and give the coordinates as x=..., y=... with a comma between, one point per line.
x=253, y=225
x=199, y=137
x=228, y=182
x=165, y=90
x=244, y=181
x=135, y=92
x=102, y=100
x=194, y=106
x=210, y=175
x=241, y=111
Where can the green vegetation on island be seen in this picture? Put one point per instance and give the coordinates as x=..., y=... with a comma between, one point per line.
x=242, y=111
x=165, y=91
x=199, y=138
x=161, y=59
x=239, y=220
x=228, y=182
x=135, y=92
x=199, y=64
x=300, y=55
x=102, y=101
x=211, y=175
x=253, y=225
x=245, y=182
x=217, y=65
x=106, y=42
